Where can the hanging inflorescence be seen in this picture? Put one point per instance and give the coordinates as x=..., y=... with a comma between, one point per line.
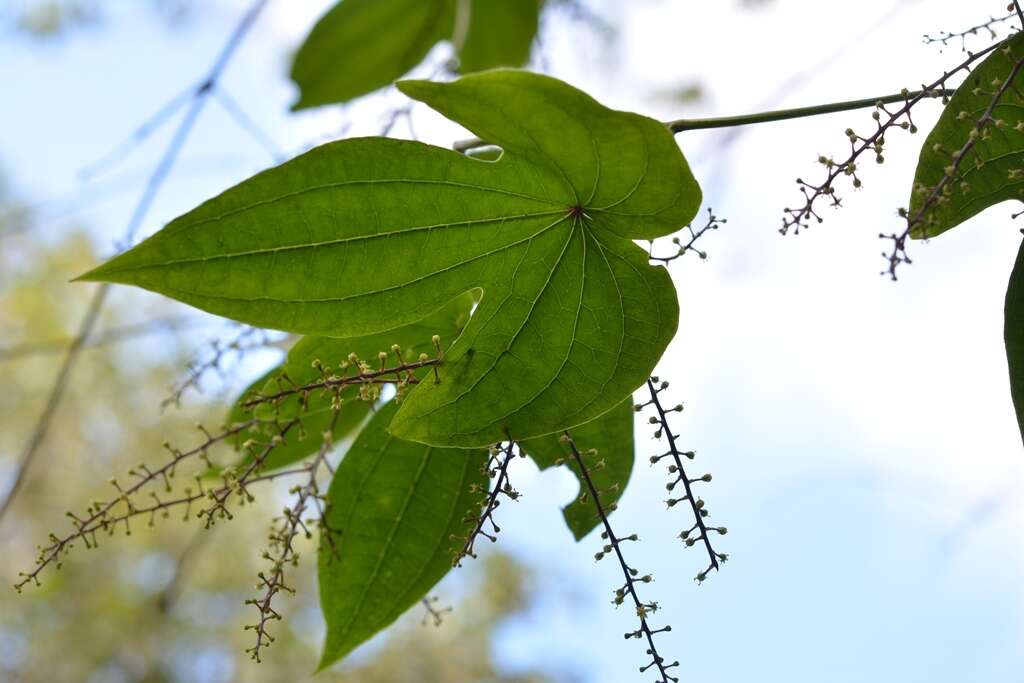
x=700, y=531
x=713, y=222
x=498, y=460
x=281, y=552
x=988, y=26
x=985, y=125
x=886, y=119
x=215, y=490
x=953, y=180
x=116, y=513
x=613, y=546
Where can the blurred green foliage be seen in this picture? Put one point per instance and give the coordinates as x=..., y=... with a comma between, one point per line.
x=48, y=19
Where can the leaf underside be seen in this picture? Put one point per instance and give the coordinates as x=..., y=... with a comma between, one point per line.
x=612, y=436
x=499, y=34
x=992, y=172
x=393, y=507
x=1013, y=336
x=360, y=236
x=362, y=45
x=336, y=63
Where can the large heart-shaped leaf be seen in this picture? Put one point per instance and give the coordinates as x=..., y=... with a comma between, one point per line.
x=612, y=436
x=393, y=507
x=992, y=172
x=360, y=236
x=308, y=360
x=1013, y=335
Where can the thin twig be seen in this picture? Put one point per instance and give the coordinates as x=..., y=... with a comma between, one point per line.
x=150, y=192
x=46, y=347
x=247, y=124
x=248, y=338
x=168, y=597
x=144, y=130
x=947, y=36
x=713, y=223
x=434, y=614
x=101, y=516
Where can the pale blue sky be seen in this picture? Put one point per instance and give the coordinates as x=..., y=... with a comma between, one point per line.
x=864, y=450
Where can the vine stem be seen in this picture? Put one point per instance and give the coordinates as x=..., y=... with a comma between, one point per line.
x=682, y=125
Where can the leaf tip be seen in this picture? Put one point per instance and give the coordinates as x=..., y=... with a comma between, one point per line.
x=578, y=531
x=302, y=103
x=113, y=270
x=414, y=87
x=94, y=275
x=326, y=660
x=921, y=232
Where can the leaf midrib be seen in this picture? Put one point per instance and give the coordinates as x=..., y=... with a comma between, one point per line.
x=392, y=615
x=389, y=540
x=362, y=181
x=329, y=243
x=526, y=320
x=604, y=250
x=374, y=292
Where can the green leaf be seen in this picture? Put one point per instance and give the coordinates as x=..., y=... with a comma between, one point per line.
x=338, y=62
x=393, y=507
x=364, y=235
x=992, y=172
x=500, y=33
x=1013, y=335
x=316, y=412
x=362, y=45
x=612, y=436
